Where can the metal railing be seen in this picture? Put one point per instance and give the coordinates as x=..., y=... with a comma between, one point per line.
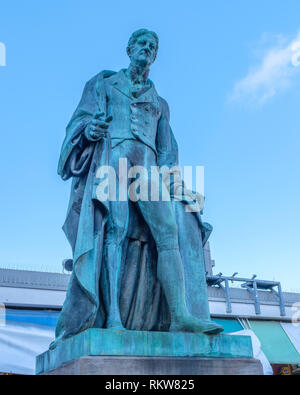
x=252, y=285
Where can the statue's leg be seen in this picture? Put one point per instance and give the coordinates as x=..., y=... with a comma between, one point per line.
x=161, y=220
x=171, y=276
x=113, y=259
x=115, y=234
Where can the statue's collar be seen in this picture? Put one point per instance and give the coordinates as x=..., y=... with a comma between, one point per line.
x=122, y=83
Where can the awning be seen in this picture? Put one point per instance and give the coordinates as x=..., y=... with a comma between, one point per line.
x=293, y=332
x=229, y=325
x=275, y=343
x=23, y=335
x=39, y=317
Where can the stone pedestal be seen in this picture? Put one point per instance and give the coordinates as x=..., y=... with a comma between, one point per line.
x=107, y=352
x=95, y=366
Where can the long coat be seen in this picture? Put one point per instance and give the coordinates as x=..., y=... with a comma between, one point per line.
x=142, y=302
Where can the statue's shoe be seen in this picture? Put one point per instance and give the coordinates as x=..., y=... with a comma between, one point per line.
x=195, y=325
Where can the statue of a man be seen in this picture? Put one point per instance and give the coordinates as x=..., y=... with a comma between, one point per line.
x=138, y=265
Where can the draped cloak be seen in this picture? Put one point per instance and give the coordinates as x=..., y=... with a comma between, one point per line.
x=142, y=302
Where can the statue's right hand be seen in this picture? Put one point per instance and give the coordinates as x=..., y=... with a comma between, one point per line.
x=97, y=127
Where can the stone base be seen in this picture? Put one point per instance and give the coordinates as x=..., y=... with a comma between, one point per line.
x=125, y=366
x=111, y=343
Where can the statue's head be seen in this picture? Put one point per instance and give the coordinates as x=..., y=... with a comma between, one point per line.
x=142, y=47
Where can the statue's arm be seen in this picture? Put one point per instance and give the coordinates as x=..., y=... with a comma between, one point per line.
x=166, y=145
x=167, y=150
x=76, y=150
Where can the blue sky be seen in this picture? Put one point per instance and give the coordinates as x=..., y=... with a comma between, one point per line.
x=230, y=74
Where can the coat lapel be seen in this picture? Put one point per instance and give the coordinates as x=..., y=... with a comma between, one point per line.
x=121, y=83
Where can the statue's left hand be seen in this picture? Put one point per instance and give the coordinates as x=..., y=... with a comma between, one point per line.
x=197, y=200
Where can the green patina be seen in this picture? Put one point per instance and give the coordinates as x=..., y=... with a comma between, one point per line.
x=105, y=342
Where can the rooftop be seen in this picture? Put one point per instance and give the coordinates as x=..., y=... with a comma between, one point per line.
x=30, y=289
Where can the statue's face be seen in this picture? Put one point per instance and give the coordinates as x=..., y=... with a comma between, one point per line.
x=143, y=52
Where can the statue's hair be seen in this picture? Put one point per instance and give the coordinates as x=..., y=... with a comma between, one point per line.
x=141, y=32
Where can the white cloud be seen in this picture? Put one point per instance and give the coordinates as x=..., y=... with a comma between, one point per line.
x=273, y=75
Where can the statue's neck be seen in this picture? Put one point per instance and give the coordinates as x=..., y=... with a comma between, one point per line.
x=138, y=74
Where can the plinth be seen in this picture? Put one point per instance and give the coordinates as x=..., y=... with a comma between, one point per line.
x=108, y=352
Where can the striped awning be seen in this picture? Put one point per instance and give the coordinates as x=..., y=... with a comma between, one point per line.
x=275, y=343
